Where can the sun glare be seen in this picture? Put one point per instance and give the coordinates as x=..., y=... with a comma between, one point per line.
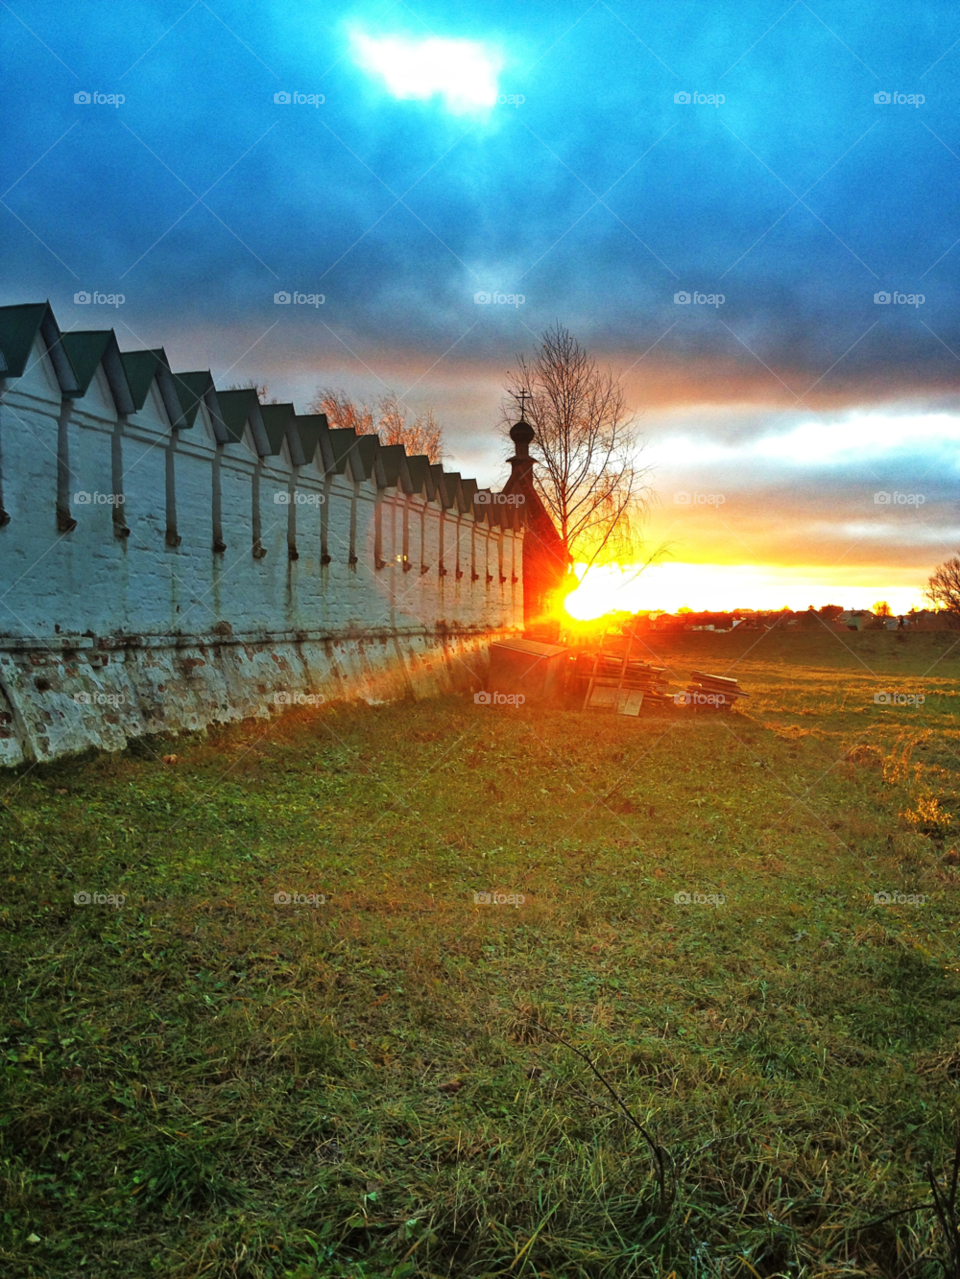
x=633, y=588
x=462, y=72
x=606, y=588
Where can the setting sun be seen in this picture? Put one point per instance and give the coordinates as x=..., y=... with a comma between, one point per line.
x=607, y=588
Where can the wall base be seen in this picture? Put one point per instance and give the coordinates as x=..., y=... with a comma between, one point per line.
x=70, y=694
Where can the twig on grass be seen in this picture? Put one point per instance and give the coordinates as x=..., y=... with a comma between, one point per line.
x=660, y=1155
x=945, y=1207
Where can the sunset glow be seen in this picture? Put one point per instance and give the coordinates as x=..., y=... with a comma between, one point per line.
x=604, y=589
x=719, y=588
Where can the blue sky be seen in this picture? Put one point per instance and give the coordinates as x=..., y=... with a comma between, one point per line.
x=597, y=199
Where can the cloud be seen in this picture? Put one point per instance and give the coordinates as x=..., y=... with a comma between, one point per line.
x=863, y=435
x=895, y=534
x=862, y=439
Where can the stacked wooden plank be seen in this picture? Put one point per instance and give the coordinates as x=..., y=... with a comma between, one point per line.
x=712, y=692
x=614, y=681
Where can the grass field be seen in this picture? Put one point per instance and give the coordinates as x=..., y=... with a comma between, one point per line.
x=398, y=1082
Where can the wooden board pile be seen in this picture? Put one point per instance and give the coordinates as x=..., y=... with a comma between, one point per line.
x=711, y=692
x=611, y=681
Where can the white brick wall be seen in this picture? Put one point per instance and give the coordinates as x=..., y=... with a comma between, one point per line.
x=91, y=582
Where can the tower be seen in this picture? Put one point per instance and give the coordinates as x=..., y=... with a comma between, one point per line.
x=545, y=559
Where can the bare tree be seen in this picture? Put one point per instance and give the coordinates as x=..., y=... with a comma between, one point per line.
x=252, y=384
x=342, y=413
x=388, y=421
x=586, y=442
x=423, y=435
x=943, y=588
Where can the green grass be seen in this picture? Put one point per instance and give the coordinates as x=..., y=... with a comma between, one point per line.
x=206, y=1083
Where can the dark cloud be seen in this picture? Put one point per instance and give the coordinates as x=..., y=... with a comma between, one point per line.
x=597, y=200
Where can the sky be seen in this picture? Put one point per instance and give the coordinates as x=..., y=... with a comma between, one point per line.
x=786, y=166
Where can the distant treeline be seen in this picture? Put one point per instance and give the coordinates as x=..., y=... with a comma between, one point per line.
x=833, y=615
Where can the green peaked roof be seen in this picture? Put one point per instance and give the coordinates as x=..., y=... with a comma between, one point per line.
x=191, y=390
x=85, y=350
x=367, y=448
x=235, y=407
x=19, y=326
x=392, y=457
x=445, y=483
x=141, y=368
x=454, y=486
x=276, y=419
x=342, y=440
x=419, y=467
x=361, y=449
x=311, y=427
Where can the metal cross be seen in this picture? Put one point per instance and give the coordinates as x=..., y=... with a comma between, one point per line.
x=522, y=397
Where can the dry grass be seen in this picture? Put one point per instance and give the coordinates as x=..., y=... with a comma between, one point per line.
x=206, y=1083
